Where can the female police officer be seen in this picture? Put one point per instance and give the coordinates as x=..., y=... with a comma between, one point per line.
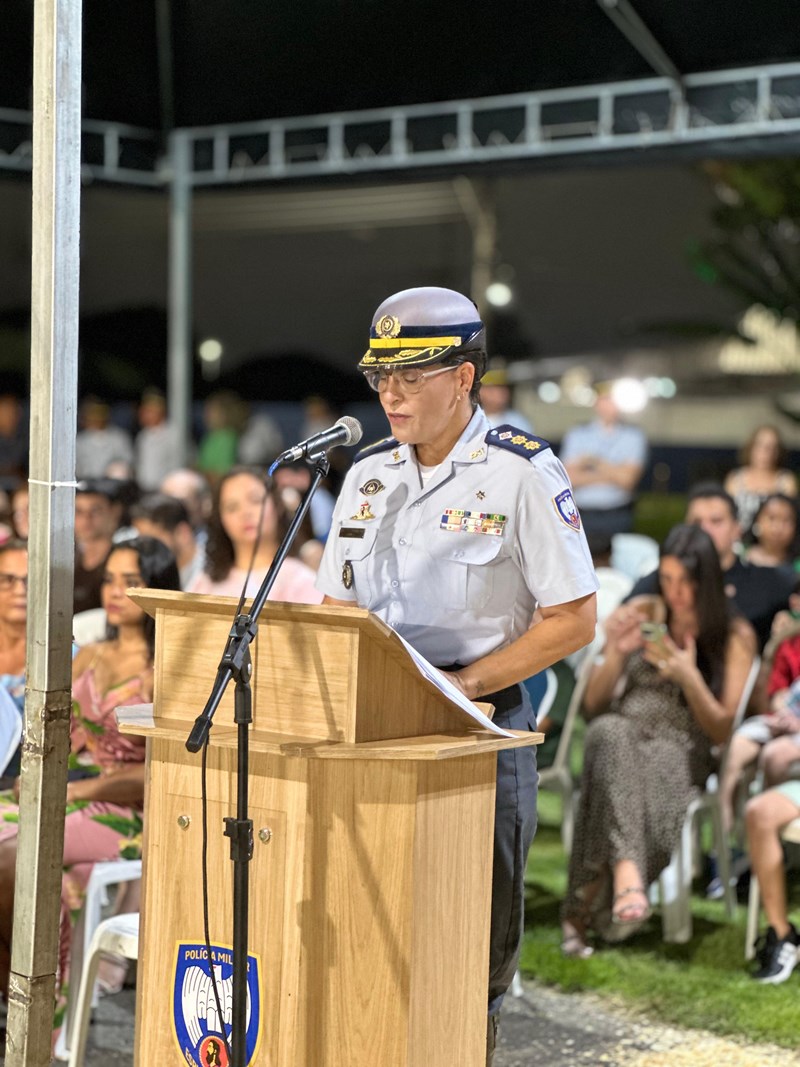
x=454, y=533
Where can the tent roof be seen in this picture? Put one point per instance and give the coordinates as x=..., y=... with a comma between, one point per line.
x=255, y=60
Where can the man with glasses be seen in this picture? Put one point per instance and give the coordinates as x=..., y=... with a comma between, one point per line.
x=454, y=533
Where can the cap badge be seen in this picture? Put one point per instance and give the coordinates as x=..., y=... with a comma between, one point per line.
x=373, y=486
x=347, y=575
x=364, y=513
x=388, y=326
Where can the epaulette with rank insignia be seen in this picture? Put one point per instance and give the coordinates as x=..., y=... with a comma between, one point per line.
x=376, y=448
x=524, y=444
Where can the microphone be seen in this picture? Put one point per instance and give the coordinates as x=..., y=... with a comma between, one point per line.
x=347, y=431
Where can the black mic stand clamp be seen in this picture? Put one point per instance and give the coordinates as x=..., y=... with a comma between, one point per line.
x=237, y=664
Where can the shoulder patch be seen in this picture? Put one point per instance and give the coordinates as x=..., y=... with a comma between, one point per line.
x=376, y=448
x=514, y=440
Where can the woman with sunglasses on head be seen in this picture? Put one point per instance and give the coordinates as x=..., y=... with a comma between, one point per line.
x=454, y=533
x=247, y=525
x=105, y=792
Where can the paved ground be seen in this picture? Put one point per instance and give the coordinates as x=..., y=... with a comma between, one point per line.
x=542, y=1028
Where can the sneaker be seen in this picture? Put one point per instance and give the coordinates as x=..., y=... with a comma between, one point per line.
x=778, y=958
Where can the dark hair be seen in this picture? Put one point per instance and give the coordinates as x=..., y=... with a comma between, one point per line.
x=478, y=360
x=695, y=550
x=165, y=511
x=752, y=537
x=746, y=451
x=713, y=491
x=158, y=569
x=219, y=549
x=14, y=544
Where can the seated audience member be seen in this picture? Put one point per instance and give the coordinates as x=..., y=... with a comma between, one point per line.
x=496, y=400
x=19, y=511
x=657, y=703
x=99, y=442
x=758, y=593
x=297, y=477
x=158, y=446
x=194, y=492
x=224, y=417
x=106, y=791
x=167, y=519
x=772, y=539
x=763, y=471
x=605, y=461
x=13, y=615
x=14, y=444
x=247, y=524
x=98, y=514
x=775, y=736
x=778, y=952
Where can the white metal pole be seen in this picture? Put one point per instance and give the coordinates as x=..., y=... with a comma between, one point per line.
x=179, y=301
x=54, y=375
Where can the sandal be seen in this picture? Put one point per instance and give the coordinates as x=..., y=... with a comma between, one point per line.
x=631, y=913
x=576, y=948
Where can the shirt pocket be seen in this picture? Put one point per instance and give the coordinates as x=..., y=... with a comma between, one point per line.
x=356, y=560
x=463, y=570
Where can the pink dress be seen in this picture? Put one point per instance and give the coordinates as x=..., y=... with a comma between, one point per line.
x=295, y=583
x=98, y=830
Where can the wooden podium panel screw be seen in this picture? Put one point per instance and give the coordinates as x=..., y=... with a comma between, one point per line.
x=264, y=834
x=184, y=821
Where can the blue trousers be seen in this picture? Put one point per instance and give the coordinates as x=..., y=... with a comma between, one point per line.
x=514, y=829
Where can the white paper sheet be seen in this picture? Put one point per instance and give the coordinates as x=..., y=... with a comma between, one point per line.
x=445, y=686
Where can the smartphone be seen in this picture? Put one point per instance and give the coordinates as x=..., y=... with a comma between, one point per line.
x=653, y=631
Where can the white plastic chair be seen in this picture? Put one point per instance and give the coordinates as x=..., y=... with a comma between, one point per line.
x=111, y=872
x=120, y=935
x=558, y=776
x=790, y=833
x=674, y=884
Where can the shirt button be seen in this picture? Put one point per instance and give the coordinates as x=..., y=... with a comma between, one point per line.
x=402, y=541
x=395, y=584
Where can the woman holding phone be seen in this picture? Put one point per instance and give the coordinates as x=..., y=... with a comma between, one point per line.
x=658, y=700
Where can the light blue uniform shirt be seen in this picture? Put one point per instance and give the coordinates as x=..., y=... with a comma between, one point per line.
x=617, y=445
x=458, y=567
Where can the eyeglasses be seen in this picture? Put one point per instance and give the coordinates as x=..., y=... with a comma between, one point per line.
x=409, y=379
x=7, y=580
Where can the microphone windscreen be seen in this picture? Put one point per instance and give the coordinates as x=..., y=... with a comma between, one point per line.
x=353, y=427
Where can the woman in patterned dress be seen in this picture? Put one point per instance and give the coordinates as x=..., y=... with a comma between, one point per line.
x=656, y=709
x=105, y=793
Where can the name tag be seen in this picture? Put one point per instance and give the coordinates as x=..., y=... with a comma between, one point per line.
x=351, y=531
x=457, y=520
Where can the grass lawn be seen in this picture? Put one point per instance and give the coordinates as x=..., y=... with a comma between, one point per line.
x=703, y=984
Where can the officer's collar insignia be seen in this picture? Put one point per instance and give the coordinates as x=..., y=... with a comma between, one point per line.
x=375, y=449
x=396, y=457
x=364, y=513
x=480, y=495
x=347, y=575
x=477, y=453
x=373, y=486
x=514, y=440
x=389, y=326
x=567, y=509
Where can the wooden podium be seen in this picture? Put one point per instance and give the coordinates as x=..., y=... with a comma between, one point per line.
x=372, y=799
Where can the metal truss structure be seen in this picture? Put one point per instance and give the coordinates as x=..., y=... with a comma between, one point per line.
x=701, y=109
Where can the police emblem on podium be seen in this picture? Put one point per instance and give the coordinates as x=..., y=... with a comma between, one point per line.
x=195, y=1017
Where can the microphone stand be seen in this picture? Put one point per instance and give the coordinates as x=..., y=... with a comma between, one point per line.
x=236, y=664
